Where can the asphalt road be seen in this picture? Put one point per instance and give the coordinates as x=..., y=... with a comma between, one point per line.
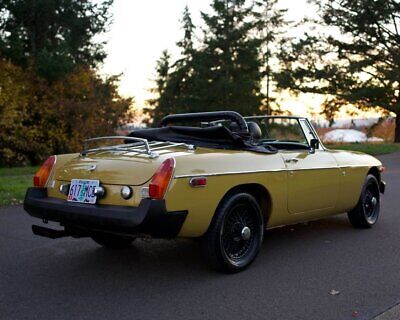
x=291, y=278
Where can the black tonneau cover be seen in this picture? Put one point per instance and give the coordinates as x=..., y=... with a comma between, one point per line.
x=218, y=137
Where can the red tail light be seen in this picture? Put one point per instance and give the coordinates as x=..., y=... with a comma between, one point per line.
x=160, y=181
x=41, y=177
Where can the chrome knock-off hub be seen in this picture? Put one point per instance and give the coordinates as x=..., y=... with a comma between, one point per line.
x=246, y=233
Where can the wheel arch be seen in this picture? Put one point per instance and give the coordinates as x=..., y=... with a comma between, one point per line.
x=375, y=172
x=259, y=192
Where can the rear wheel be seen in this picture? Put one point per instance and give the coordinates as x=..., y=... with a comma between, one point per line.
x=235, y=236
x=366, y=212
x=112, y=241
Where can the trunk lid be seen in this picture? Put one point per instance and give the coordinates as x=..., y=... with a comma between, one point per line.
x=114, y=167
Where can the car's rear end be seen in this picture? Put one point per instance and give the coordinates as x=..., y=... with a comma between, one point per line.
x=117, y=190
x=205, y=181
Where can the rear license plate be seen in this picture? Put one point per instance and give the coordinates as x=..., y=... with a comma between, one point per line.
x=83, y=191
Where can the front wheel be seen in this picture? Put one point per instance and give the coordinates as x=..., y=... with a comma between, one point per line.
x=235, y=235
x=366, y=212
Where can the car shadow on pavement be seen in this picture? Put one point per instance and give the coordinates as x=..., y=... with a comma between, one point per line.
x=183, y=256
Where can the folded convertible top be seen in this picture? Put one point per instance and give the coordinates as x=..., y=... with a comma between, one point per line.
x=218, y=137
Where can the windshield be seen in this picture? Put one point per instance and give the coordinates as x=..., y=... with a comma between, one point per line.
x=284, y=130
x=276, y=129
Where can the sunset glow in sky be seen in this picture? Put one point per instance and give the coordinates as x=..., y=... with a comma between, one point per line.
x=143, y=29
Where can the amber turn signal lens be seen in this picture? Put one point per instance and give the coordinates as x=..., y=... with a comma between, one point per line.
x=160, y=181
x=42, y=175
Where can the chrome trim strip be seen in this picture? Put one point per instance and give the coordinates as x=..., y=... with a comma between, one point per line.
x=51, y=175
x=316, y=135
x=258, y=171
x=224, y=173
x=170, y=179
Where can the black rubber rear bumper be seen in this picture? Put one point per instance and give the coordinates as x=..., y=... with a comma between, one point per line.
x=150, y=217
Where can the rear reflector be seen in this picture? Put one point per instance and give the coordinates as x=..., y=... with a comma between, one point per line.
x=198, y=182
x=160, y=181
x=42, y=175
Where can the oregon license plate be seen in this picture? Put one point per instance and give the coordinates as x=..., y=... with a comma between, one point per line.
x=83, y=191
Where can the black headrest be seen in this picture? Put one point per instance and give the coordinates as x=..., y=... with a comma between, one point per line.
x=233, y=126
x=254, y=130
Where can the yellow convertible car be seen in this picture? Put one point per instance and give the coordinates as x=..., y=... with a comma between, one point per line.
x=216, y=176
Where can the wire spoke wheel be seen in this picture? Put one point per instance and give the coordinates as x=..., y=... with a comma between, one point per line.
x=240, y=232
x=365, y=214
x=371, y=202
x=235, y=235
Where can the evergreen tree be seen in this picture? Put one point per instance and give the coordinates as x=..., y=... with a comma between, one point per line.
x=174, y=82
x=271, y=23
x=181, y=81
x=52, y=35
x=222, y=73
x=186, y=44
x=161, y=105
x=228, y=72
x=356, y=60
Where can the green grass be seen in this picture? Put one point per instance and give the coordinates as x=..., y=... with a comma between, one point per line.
x=13, y=184
x=370, y=148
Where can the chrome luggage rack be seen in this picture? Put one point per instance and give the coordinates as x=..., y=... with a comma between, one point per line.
x=138, y=145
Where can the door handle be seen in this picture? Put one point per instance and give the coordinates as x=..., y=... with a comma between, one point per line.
x=293, y=160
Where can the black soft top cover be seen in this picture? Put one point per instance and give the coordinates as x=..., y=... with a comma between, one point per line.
x=218, y=137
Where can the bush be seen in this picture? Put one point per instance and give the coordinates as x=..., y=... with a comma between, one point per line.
x=39, y=118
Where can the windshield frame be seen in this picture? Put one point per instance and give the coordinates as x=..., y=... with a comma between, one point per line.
x=297, y=118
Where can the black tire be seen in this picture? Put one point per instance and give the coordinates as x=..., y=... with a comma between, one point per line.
x=366, y=212
x=235, y=235
x=111, y=241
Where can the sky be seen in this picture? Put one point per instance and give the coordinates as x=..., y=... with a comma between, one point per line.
x=141, y=30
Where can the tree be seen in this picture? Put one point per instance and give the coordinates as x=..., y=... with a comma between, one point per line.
x=221, y=73
x=270, y=23
x=175, y=83
x=186, y=44
x=180, y=87
x=51, y=35
x=330, y=108
x=51, y=97
x=38, y=119
x=356, y=59
x=15, y=99
x=161, y=105
x=228, y=72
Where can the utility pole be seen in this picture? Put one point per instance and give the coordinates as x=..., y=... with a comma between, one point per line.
x=267, y=54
